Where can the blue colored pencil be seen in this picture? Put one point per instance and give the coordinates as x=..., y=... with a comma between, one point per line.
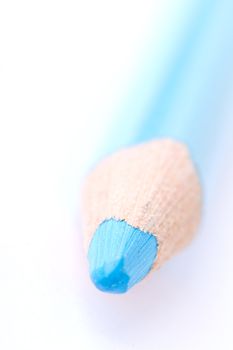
x=143, y=203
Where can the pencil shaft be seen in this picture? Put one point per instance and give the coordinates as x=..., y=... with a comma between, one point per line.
x=187, y=105
x=187, y=108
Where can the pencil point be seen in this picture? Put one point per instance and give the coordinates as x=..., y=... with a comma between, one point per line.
x=111, y=277
x=120, y=255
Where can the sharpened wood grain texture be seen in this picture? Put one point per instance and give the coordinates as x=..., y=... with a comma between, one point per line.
x=154, y=187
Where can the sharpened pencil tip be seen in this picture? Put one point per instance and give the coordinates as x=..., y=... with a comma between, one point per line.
x=120, y=255
x=111, y=279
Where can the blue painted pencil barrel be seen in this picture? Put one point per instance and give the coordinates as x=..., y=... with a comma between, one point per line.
x=187, y=105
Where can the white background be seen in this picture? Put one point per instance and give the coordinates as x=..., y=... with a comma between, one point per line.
x=64, y=65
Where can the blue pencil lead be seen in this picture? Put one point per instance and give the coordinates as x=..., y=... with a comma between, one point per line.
x=120, y=255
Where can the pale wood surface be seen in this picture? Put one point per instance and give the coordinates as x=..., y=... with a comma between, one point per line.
x=153, y=186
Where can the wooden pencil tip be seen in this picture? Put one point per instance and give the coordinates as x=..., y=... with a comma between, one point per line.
x=153, y=188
